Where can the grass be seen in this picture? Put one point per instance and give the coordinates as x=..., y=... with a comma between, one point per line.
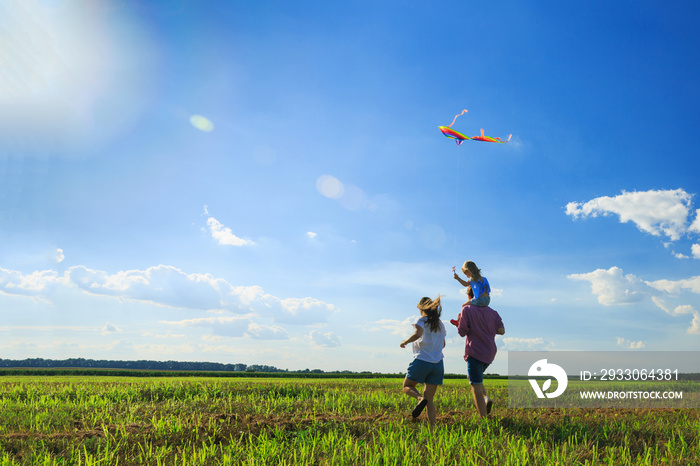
x=203, y=421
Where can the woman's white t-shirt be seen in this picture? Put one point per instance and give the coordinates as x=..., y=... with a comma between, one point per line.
x=428, y=347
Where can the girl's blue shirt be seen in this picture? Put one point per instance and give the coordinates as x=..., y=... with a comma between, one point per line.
x=480, y=287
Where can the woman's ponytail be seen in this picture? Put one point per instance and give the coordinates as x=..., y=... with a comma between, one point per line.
x=432, y=310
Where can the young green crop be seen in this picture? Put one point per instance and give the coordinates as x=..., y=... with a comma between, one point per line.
x=208, y=421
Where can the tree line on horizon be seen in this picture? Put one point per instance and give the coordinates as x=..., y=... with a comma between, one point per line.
x=82, y=363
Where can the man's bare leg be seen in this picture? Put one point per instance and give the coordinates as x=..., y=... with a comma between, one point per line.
x=479, y=393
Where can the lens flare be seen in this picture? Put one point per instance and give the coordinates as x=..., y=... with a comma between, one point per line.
x=202, y=123
x=330, y=186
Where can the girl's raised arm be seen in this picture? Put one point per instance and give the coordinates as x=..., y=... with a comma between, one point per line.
x=462, y=282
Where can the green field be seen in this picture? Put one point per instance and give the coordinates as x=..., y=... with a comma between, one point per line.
x=191, y=421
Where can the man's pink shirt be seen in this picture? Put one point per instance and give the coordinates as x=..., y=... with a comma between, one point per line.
x=479, y=325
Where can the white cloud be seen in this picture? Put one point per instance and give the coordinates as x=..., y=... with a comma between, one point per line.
x=654, y=212
x=675, y=287
x=168, y=286
x=681, y=310
x=695, y=325
x=301, y=311
x=228, y=326
x=695, y=226
x=524, y=344
x=495, y=292
x=695, y=249
x=166, y=335
x=629, y=344
x=311, y=234
x=209, y=321
x=612, y=287
x=146, y=350
x=325, y=340
x=59, y=256
x=265, y=332
x=162, y=285
x=48, y=328
x=110, y=328
x=395, y=327
x=224, y=235
x=33, y=284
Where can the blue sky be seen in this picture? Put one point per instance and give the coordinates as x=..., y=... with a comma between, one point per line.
x=265, y=182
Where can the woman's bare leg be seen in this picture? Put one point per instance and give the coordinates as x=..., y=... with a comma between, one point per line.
x=409, y=388
x=429, y=394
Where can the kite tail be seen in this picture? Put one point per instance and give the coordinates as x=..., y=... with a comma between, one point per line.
x=509, y=136
x=453, y=121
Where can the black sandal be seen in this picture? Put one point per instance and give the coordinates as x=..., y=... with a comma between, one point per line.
x=419, y=408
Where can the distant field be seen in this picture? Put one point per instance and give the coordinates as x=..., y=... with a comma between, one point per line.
x=192, y=421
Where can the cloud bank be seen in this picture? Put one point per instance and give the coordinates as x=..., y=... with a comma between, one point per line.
x=612, y=287
x=168, y=286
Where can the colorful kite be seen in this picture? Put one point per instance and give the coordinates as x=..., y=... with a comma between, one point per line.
x=459, y=137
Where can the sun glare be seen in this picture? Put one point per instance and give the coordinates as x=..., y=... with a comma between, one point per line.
x=65, y=74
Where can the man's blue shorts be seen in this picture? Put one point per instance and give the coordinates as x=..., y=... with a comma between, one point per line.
x=475, y=370
x=426, y=372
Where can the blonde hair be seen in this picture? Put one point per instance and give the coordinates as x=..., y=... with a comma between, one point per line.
x=432, y=310
x=473, y=270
